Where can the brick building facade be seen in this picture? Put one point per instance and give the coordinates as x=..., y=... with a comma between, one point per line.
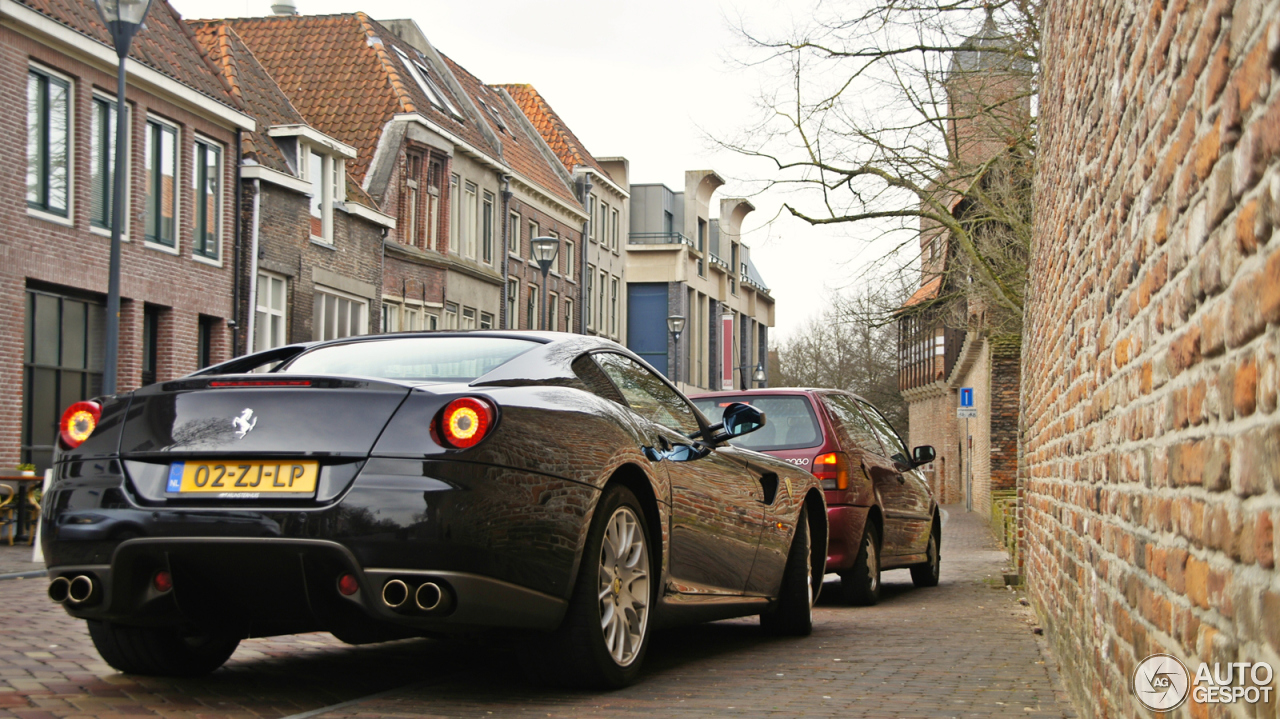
x=1151, y=474
x=58, y=84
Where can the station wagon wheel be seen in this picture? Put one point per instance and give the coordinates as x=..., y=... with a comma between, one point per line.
x=926, y=573
x=605, y=633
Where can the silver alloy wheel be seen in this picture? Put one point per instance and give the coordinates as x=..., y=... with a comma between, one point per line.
x=624, y=586
x=934, y=567
x=873, y=564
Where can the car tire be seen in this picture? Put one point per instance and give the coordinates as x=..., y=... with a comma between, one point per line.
x=792, y=613
x=926, y=573
x=860, y=585
x=589, y=651
x=159, y=651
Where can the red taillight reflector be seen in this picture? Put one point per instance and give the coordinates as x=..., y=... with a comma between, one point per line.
x=465, y=421
x=833, y=469
x=348, y=585
x=78, y=422
x=162, y=581
x=261, y=383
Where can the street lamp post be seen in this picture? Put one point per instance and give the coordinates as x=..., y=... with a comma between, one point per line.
x=123, y=19
x=675, y=325
x=544, y=251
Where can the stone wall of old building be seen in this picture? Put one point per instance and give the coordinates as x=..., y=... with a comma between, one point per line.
x=1151, y=441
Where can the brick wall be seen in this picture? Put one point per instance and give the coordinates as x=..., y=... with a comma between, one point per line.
x=1151, y=439
x=70, y=257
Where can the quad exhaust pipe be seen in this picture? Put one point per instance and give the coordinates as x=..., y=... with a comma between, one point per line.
x=76, y=591
x=428, y=597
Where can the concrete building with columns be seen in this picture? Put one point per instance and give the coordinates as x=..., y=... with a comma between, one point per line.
x=683, y=262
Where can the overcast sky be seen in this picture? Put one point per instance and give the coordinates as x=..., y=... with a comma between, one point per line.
x=648, y=81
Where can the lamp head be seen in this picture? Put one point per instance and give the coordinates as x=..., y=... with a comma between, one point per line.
x=544, y=251
x=675, y=324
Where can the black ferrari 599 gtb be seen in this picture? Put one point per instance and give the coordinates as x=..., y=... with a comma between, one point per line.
x=541, y=485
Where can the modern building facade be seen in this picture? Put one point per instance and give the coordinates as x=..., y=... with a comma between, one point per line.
x=58, y=79
x=682, y=262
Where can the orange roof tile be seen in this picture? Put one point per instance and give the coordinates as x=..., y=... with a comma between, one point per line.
x=164, y=44
x=519, y=149
x=552, y=128
x=927, y=291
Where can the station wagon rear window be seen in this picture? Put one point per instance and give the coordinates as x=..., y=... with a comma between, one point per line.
x=789, y=421
x=426, y=359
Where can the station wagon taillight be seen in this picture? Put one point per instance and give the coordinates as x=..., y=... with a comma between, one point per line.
x=833, y=469
x=465, y=421
x=78, y=422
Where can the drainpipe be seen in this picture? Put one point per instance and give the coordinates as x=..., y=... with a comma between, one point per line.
x=253, y=268
x=584, y=301
x=235, y=258
x=506, y=250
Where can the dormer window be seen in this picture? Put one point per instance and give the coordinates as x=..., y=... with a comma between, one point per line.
x=422, y=76
x=326, y=175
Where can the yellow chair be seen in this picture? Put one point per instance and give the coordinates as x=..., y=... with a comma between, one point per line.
x=34, y=495
x=9, y=510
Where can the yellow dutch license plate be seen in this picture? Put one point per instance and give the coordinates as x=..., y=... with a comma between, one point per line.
x=250, y=477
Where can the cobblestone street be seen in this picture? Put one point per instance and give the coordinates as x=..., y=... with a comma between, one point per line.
x=963, y=649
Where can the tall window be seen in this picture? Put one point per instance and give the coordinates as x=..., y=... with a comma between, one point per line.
x=533, y=232
x=569, y=259
x=450, y=316
x=48, y=142
x=513, y=298
x=412, y=176
x=486, y=229
x=206, y=326
x=391, y=317
x=206, y=180
x=338, y=315
x=162, y=178
x=553, y=311
x=325, y=175
x=613, y=306
x=62, y=364
x=600, y=316
x=469, y=217
x=271, y=313
x=593, y=226
x=604, y=224
x=533, y=307
x=591, y=283
x=613, y=229
x=150, y=343
x=453, y=216
x=513, y=242
x=433, y=204
x=568, y=315
x=102, y=159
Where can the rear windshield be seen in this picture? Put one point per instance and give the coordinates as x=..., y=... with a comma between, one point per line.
x=430, y=359
x=789, y=421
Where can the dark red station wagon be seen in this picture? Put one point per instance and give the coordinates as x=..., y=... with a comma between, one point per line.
x=880, y=509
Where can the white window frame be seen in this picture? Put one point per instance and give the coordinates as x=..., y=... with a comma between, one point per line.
x=455, y=246
x=568, y=314
x=175, y=248
x=318, y=319
x=568, y=259
x=489, y=201
x=471, y=213
x=593, y=231
x=486, y=320
x=216, y=258
x=450, y=316
x=264, y=311
x=553, y=316
x=60, y=218
x=613, y=306
x=513, y=303
x=332, y=185
x=613, y=230
x=532, y=309
x=391, y=313
x=591, y=285
x=126, y=225
x=604, y=282
x=534, y=230
x=513, y=242
x=468, y=318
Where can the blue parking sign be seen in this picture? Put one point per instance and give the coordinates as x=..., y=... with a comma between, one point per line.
x=966, y=396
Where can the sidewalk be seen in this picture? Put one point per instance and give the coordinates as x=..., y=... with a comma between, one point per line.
x=17, y=558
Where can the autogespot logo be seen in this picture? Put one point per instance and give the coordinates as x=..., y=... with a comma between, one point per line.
x=1161, y=682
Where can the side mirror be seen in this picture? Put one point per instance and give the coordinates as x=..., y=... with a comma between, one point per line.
x=923, y=454
x=740, y=419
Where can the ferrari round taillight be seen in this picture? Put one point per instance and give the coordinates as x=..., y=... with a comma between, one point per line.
x=348, y=585
x=465, y=421
x=162, y=581
x=78, y=422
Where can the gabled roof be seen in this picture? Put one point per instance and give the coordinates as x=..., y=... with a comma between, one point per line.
x=253, y=87
x=553, y=129
x=519, y=149
x=345, y=74
x=260, y=96
x=164, y=45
